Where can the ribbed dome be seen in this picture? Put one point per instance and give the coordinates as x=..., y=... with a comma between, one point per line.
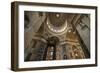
x=57, y=22
x=57, y=19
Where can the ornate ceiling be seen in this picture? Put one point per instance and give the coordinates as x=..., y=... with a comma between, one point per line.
x=57, y=22
x=57, y=19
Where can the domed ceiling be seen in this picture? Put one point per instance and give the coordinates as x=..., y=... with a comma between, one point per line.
x=57, y=19
x=57, y=22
